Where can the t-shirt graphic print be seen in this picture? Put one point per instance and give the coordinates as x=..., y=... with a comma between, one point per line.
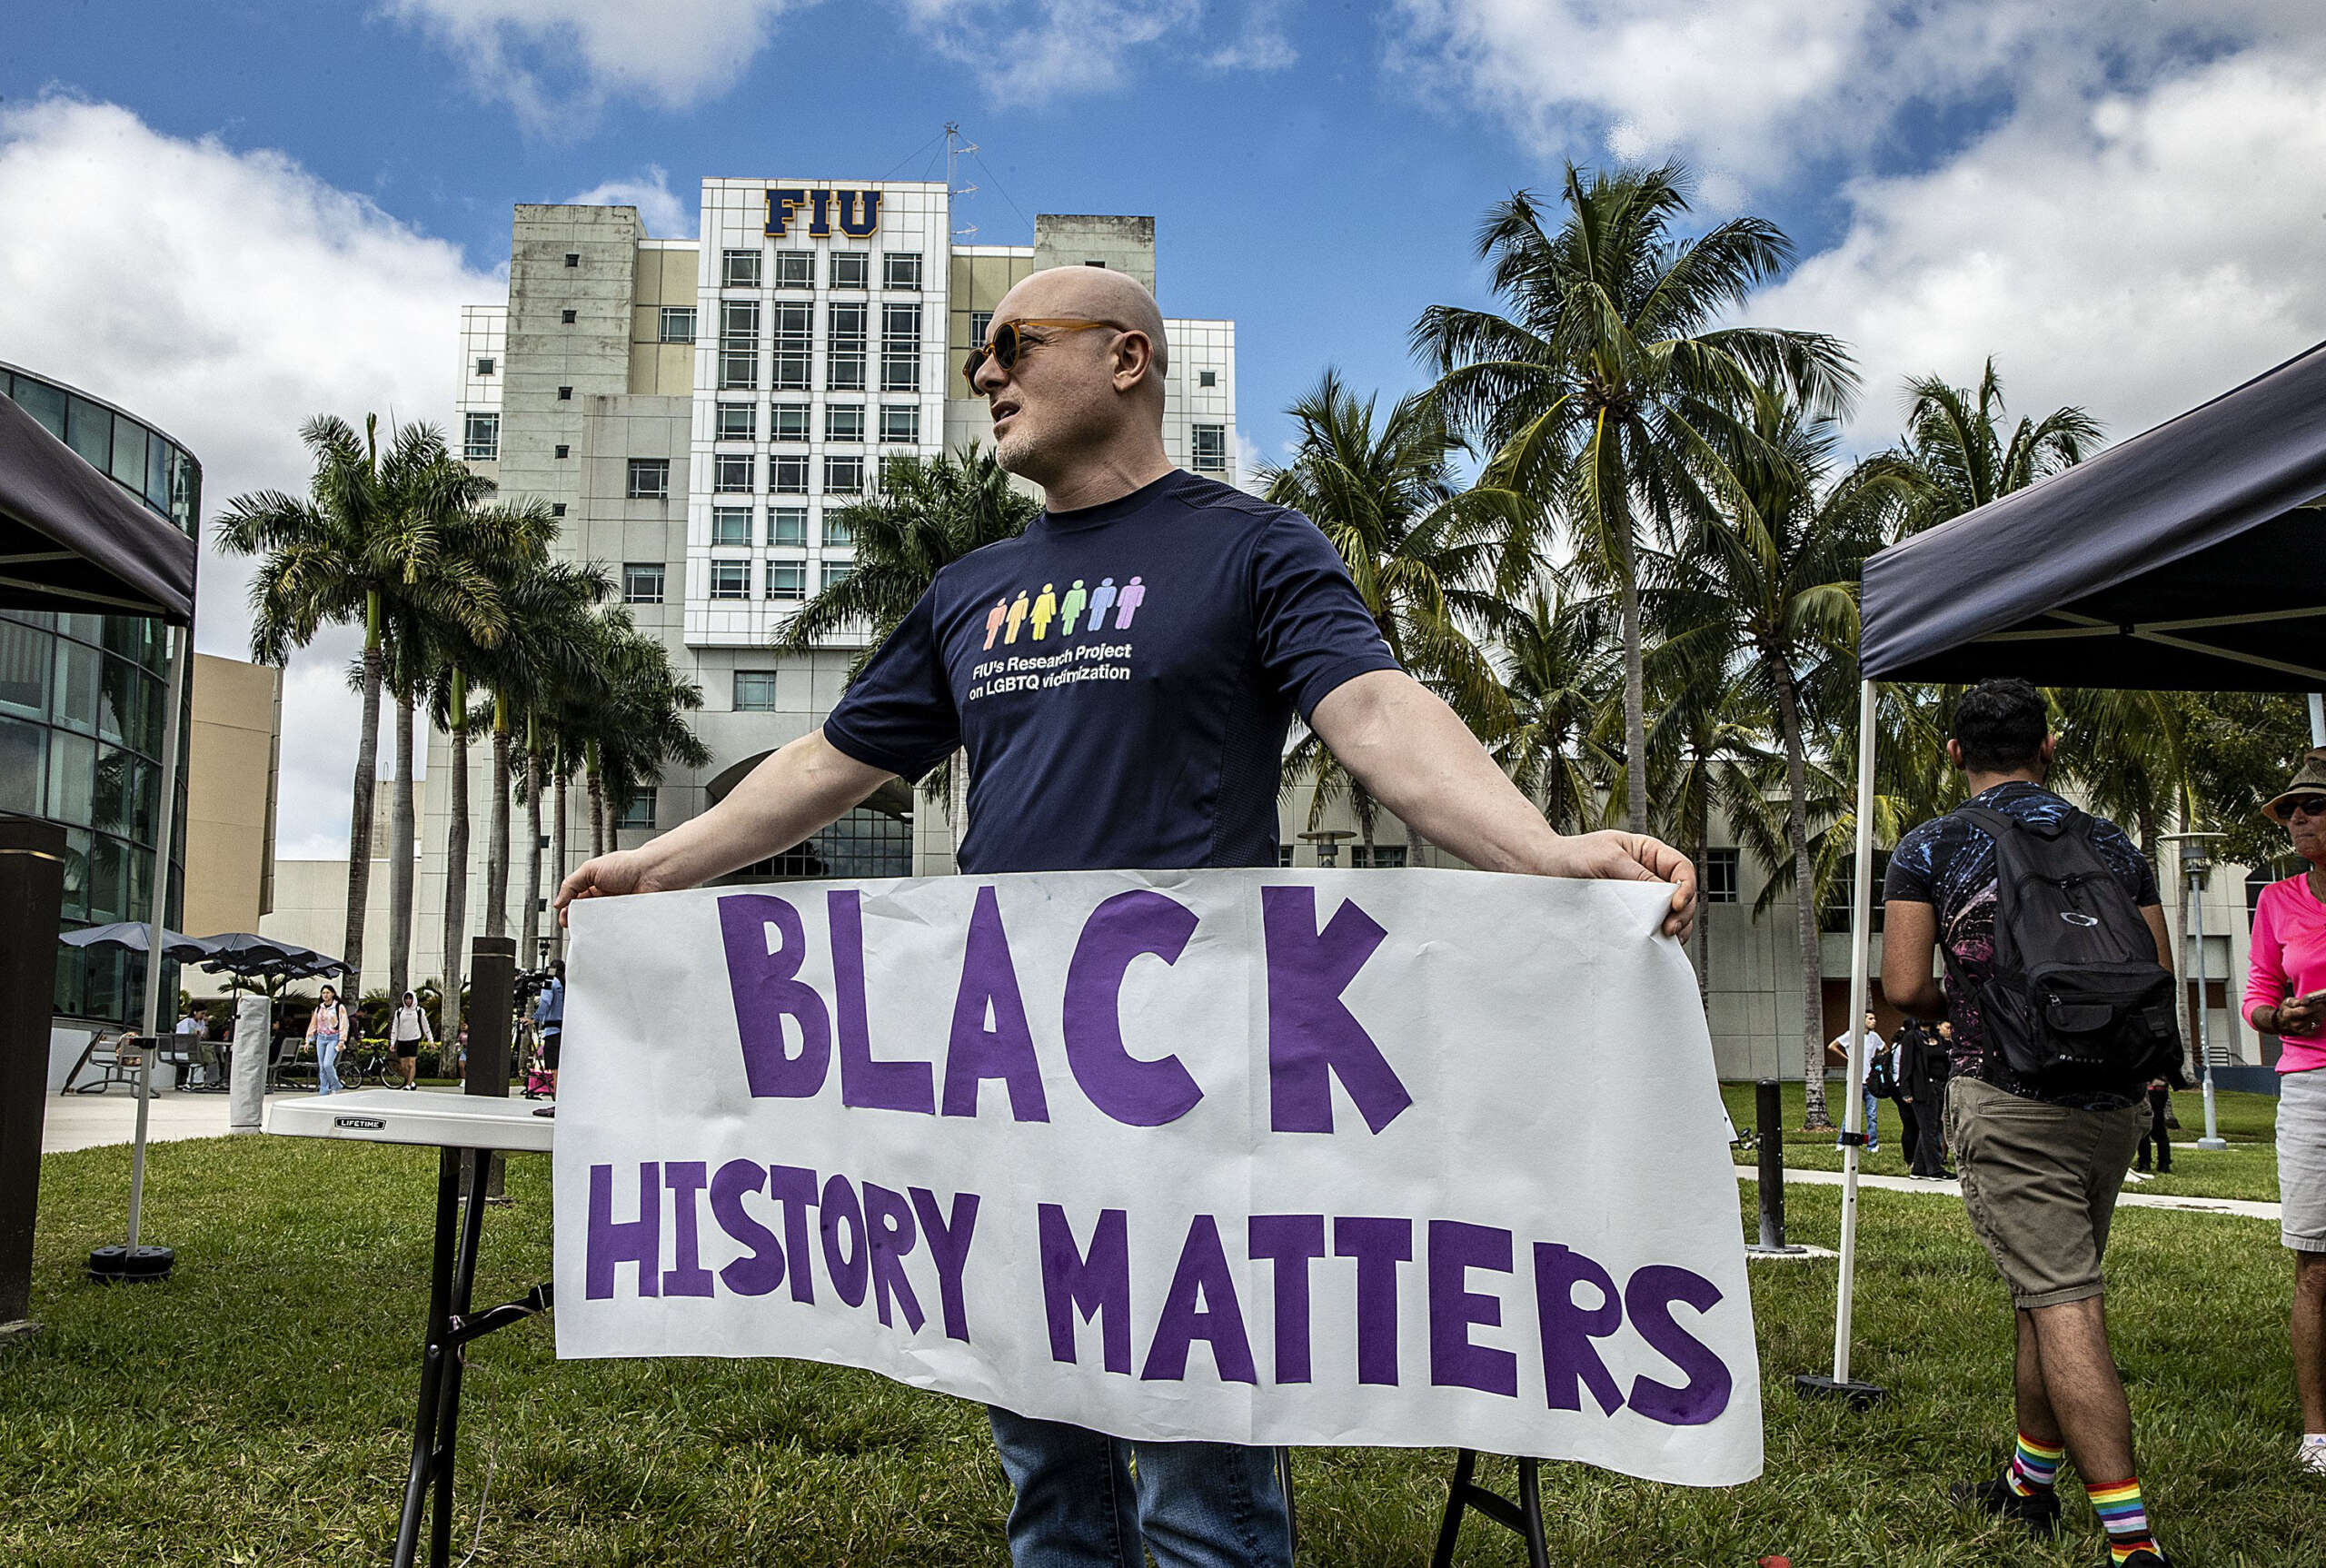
x=1122, y=677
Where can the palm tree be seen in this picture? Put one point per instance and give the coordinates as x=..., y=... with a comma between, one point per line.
x=1434, y=563
x=1561, y=670
x=368, y=544
x=1955, y=443
x=1604, y=388
x=639, y=727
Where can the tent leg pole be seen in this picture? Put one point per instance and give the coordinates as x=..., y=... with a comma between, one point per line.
x=2317, y=719
x=1840, y=1384
x=164, y=833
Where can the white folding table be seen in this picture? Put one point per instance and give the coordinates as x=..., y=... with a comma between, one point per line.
x=466, y=1128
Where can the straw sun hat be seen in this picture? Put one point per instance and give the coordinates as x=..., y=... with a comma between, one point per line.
x=2310, y=778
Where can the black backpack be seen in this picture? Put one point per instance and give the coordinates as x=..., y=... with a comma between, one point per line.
x=2076, y=999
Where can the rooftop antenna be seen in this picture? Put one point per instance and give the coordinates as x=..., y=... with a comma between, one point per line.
x=955, y=148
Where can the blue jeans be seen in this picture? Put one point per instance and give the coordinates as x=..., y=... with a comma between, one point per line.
x=327, y=1064
x=1193, y=1504
x=1873, y=1128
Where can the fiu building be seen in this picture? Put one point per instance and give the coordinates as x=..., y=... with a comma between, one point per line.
x=701, y=411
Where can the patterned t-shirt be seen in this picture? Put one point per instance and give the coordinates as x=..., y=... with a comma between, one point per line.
x=1949, y=863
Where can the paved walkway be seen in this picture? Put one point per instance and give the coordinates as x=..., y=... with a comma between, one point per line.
x=89, y=1121
x=2243, y=1208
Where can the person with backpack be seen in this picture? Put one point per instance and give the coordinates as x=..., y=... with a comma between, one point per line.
x=2062, y=1002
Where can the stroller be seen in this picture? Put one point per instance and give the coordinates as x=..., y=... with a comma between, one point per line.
x=539, y=1083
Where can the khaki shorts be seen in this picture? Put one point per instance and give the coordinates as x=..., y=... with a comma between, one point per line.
x=2041, y=1182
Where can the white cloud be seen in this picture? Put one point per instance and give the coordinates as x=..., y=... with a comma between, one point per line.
x=227, y=296
x=666, y=215
x=2135, y=255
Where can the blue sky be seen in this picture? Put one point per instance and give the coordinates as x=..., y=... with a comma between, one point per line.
x=230, y=216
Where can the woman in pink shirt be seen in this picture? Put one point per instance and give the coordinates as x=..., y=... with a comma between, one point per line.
x=2285, y=996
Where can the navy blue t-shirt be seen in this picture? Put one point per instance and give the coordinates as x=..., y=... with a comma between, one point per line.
x=1122, y=676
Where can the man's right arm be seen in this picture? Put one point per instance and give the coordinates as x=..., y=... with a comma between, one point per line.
x=804, y=787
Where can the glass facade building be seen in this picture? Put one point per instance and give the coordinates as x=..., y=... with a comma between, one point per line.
x=84, y=702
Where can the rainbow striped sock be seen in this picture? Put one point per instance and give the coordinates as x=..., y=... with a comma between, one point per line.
x=2033, y=1467
x=2125, y=1516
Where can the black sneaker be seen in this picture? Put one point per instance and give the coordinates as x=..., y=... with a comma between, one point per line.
x=2140, y=1558
x=2040, y=1511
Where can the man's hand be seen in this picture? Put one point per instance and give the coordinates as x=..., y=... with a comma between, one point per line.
x=608, y=876
x=1629, y=858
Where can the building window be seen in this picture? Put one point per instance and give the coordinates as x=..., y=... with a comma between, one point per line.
x=1284, y=856
x=981, y=322
x=738, y=421
x=791, y=421
x=900, y=421
x=739, y=270
x=1380, y=858
x=642, y=582
x=851, y=269
x=1207, y=378
x=567, y=318
x=838, y=534
x=638, y=816
x=901, y=272
x=793, y=348
x=843, y=476
x=732, y=525
x=557, y=509
x=480, y=437
x=787, y=580
x=650, y=479
x=755, y=691
x=1722, y=876
x=863, y=844
x=486, y=364
x=844, y=422
x=844, y=349
x=572, y=258
x=835, y=573
x=565, y=395
x=678, y=323
x=564, y=450
x=788, y=475
x=899, y=348
x=734, y=473
x=795, y=269
x=788, y=526
x=731, y=580
x=739, y=344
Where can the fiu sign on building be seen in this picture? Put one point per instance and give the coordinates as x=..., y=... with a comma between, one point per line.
x=854, y=213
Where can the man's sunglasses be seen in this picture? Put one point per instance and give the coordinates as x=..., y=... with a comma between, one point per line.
x=1008, y=342
x=2307, y=804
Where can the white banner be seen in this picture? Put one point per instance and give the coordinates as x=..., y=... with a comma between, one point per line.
x=1414, y=1158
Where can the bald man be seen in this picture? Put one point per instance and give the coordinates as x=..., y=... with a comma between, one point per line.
x=1245, y=616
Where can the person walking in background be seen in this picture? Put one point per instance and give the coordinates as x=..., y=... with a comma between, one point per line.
x=1903, y=1048
x=2285, y=996
x=549, y=1018
x=2041, y=1157
x=406, y=1030
x=460, y=1063
x=1922, y=1072
x=327, y=1027
x=2160, y=1107
x=1875, y=1045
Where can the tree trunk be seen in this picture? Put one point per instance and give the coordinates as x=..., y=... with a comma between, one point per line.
x=1796, y=829
x=496, y=843
x=595, y=784
x=456, y=862
x=359, y=826
x=400, y=828
x=1634, y=685
x=528, y=915
x=557, y=851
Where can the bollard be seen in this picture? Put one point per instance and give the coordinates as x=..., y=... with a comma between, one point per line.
x=491, y=1009
x=32, y=889
x=1768, y=1113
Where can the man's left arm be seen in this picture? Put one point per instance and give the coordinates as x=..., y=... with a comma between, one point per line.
x=1413, y=755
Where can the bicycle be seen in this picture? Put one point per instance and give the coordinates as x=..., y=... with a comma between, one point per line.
x=368, y=1063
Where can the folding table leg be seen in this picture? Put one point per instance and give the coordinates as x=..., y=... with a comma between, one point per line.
x=1525, y=1517
x=437, y=1350
x=448, y=1414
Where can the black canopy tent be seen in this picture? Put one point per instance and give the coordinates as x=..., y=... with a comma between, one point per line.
x=71, y=539
x=2192, y=557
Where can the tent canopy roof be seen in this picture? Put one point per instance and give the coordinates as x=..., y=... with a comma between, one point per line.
x=2192, y=557
x=71, y=539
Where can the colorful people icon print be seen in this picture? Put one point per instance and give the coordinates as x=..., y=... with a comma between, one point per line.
x=1078, y=608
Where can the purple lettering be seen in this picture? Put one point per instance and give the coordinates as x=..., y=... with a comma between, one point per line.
x=1312, y=1035
x=686, y=1276
x=1648, y=1297
x=1097, y=1283
x=1570, y=1361
x=890, y=1235
x=864, y=1082
x=1289, y=1241
x=1379, y=1246
x=1200, y=1305
x=1455, y=1362
x=764, y=943
x=949, y=1248
x=1135, y=1093
x=1005, y=1051
x=795, y=1189
x=761, y=1268
x=845, y=1267
x=638, y=1241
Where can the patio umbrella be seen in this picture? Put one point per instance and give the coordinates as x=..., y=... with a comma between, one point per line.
x=131, y=935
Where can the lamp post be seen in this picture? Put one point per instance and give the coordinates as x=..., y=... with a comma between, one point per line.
x=1328, y=845
x=2195, y=867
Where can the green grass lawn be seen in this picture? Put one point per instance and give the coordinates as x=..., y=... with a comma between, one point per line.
x=255, y=1409
x=2248, y=1168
